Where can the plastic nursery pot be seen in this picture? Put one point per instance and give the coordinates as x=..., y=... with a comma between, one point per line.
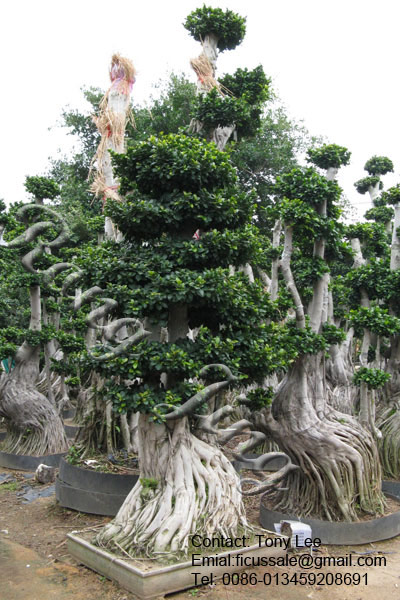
x=344, y=533
x=25, y=462
x=92, y=491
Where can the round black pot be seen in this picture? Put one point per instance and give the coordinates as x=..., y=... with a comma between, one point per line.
x=92, y=491
x=344, y=534
x=25, y=462
x=362, y=532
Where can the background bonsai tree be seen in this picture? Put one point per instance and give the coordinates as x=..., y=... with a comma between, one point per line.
x=375, y=166
x=33, y=424
x=234, y=103
x=338, y=459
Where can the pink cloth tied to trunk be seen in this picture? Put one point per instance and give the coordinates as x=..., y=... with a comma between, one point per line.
x=119, y=80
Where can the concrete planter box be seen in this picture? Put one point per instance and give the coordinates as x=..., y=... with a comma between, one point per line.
x=158, y=580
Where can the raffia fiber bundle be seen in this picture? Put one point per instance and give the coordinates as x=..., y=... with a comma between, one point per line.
x=205, y=73
x=111, y=124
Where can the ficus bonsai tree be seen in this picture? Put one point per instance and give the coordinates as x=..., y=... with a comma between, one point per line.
x=32, y=421
x=338, y=458
x=234, y=103
x=174, y=184
x=375, y=167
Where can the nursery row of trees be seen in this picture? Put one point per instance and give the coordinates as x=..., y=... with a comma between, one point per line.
x=231, y=267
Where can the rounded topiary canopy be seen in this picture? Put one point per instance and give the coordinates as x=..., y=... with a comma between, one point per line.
x=329, y=156
x=170, y=163
x=379, y=165
x=228, y=27
x=42, y=187
x=392, y=195
x=362, y=185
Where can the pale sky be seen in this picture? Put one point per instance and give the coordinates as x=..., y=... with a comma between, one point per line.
x=334, y=65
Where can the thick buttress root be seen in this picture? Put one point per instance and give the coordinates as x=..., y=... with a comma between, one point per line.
x=389, y=444
x=33, y=425
x=339, y=475
x=186, y=486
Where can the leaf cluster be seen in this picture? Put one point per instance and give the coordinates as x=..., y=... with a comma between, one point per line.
x=228, y=27
x=42, y=187
x=374, y=378
x=307, y=185
x=329, y=156
x=363, y=185
x=379, y=165
x=172, y=162
x=375, y=319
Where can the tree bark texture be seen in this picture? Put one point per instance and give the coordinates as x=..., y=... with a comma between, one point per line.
x=340, y=472
x=185, y=487
x=33, y=425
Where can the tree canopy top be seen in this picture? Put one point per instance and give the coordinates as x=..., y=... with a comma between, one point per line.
x=329, y=156
x=379, y=165
x=228, y=27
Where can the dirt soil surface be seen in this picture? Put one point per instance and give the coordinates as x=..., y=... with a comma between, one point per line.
x=35, y=565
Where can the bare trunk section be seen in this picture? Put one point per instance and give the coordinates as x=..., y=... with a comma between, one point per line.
x=111, y=123
x=388, y=422
x=185, y=487
x=393, y=366
x=289, y=279
x=338, y=459
x=339, y=371
x=276, y=237
x=205, y=67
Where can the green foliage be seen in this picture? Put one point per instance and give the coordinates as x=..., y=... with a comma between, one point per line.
x=149, y=482
x=299, y=342
x=332, y=334
x=271, y=152
x=73, y=456
x=166, y=113
x=148, y=218
x=380, y=214
x=392, y=195
x=374, y=378
x=70, y=342
x=42, y=187
x=379, y=165
x=259, y=398
x=227, y=26
x=363, y=185
x=83, y=126
x=372, y=236
x=214, y=110
x=251, y=86
x=172, y=163
x=376, y=319
x=308, y=186
x=329, y=155
x=250, y=90
x=376, y=279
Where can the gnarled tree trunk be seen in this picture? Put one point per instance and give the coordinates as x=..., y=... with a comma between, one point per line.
x=185, y=487
x=33, y=425
x=339, y=471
